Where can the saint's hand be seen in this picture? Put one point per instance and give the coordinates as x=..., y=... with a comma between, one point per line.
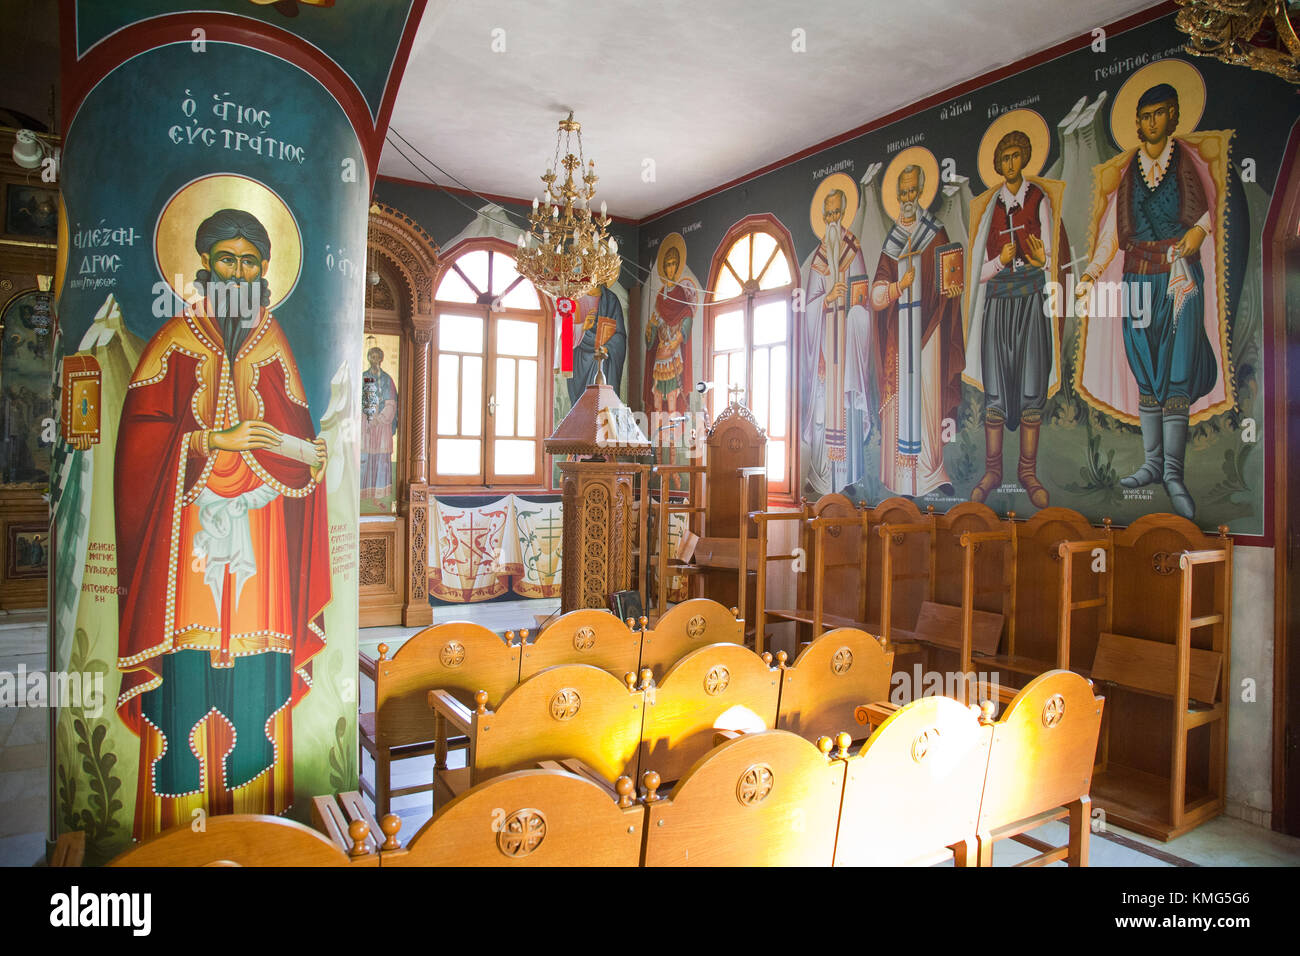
x=1082, y=293
x=322, y=457
x=246, y=436
x=1191, y=242
x=1037, y=252
x=908, y=277
x=837, y=291
x=1008, y=253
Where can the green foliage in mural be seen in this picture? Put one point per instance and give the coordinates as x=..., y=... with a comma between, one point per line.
x=343, y=773
x=1099, y=477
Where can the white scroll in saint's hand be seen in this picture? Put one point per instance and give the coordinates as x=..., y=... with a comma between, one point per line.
x=297, y=449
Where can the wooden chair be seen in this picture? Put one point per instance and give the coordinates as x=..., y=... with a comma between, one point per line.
x=689, y=503
x=586, y=636
x=684, y=710
x=337, y=816
x=912, y=793
x=828, y=680
x=763, y=799
x=533, y=817
x=899, y=549
x=570, y=711
x=245, y=839
x=1040, y=768
x=458, y=657
x=1166, y=677
x=686, y=627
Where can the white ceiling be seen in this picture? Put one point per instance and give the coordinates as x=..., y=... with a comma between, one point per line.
x=709, y=90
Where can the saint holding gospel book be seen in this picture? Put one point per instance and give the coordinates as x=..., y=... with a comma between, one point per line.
x=222, y=541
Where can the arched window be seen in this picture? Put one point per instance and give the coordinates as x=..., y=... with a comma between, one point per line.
x=750, y=337
x=490, y=400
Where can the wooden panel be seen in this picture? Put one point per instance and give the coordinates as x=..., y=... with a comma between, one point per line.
x=842, y=585
x=381, y=547
x=239, y=840
x=1043, y=749
x=685, y=628
x=1038, y=587
x=1150, y=666
x=574, y=710
x=585, y=636
x=941, y=624
x=915, y=787
x=832, y=676
x=459, y=657
x=765, y=799
x=911, y=564
x=529, y=818
x=682, y=711
x=735, y=441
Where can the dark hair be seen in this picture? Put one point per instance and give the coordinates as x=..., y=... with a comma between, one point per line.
x=225, y=224
x=1162, y=93
x=1014, y=138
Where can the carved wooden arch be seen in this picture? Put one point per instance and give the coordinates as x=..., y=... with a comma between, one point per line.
x=411, y=252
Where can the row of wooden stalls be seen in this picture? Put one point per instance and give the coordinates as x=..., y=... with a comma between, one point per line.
x=1142, y=611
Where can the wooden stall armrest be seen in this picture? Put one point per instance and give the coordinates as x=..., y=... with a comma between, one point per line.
x=969, y=538
x=845, y=521
x=367, y=665
x=765, y=516
x=889, y=530
x=1069, y=548
x=453, y=711
x=1207, y=556
x=753, y=472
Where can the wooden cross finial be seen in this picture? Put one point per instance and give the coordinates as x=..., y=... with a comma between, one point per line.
x=601, y=354
x=733, y=394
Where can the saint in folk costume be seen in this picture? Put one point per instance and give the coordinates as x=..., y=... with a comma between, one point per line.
x=916, y=296
x=1158, y=234
x=378, y=433
x=668, y=333
x=837, y=341
x=1012, y=336
x=222, y=543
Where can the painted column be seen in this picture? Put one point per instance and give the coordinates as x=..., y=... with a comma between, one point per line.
x=215, y=183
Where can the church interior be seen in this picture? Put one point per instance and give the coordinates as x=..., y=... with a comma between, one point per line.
x=738, y=434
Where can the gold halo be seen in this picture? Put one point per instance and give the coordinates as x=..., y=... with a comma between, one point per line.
x=61, y=259
x=1179, y=74
x=194, y=202
x=833, y=181
x=1029, y=122
x=913, y=155
x=673, y=240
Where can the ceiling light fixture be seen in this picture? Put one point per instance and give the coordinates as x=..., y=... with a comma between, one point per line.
x=1259, y=34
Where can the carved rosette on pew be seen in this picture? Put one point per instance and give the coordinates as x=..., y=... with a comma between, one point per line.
x=598, y=494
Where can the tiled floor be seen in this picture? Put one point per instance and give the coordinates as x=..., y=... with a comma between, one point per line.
x=24, y=780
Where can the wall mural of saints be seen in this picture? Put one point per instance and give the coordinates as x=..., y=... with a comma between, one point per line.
x=379, y=426
x=1155, y=339
x=916, y=297
x=836, y=344
x=1013, y=335
x=675, y=302
x=221, y=517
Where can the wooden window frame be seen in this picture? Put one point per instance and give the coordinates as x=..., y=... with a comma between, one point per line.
x=749, y=299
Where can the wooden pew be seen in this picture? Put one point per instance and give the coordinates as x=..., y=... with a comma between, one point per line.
x=912, y=793
x=246, y=839
x=458, y=657
x=829, y=679
x=683, y=710
x=1164, y=666
x=690, y=504
x=899, y=550
x=569, y=711
x=586, y=636
x=533, y=817
x=763, y=799
x=1040, y=768
x=685, y=628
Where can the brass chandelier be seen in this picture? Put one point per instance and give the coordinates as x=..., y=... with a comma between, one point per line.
x=566, y=251
x=1258, y=34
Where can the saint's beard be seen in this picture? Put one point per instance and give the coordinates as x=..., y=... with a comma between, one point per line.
x=907, y=211
x=232, y=298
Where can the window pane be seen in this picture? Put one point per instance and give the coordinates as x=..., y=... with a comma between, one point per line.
x=503, y=272
x=775, y=460
x=505, y=408
x=758, y=401
x=522, y=296
x=737, y=375
x=475, y=266
x=763, y=246
x=769, y=322
x=516, y=338
x=729, y=331
x=460, y=333
x=515, y=457
x=471, y=395
x=528, y=397
x=453, y=289
x=777, y=274
x=458, y=456
x=448, y=391
x=780, y=364
x=718, y=395
x=728, y=287
x=739, y=257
